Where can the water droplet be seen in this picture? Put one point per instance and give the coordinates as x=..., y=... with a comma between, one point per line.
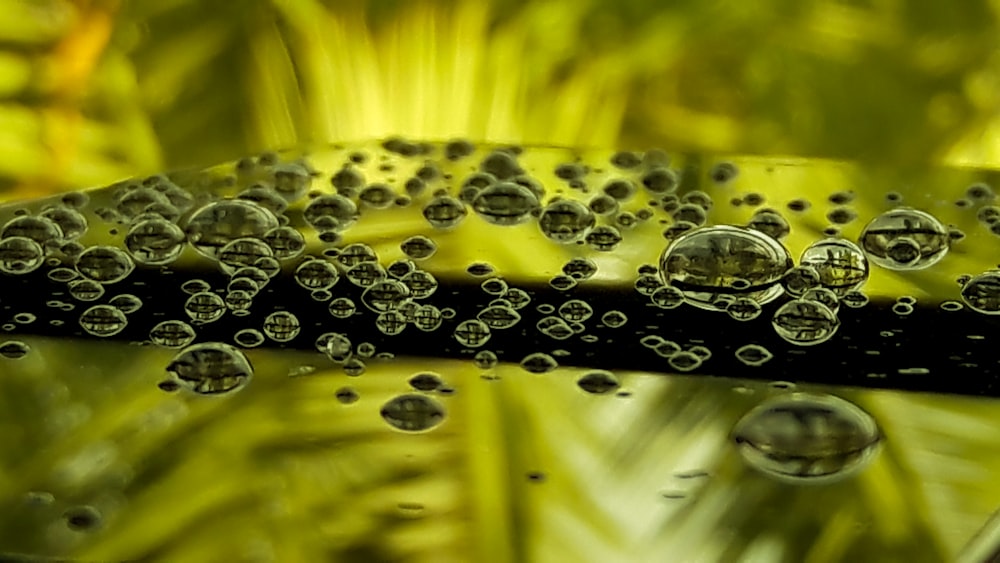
x=566, y=221
x=172, y=334
x=505, y=203
x=667, y=297
x=386, y=295
x=841, y=265
x=498, y=317
x=771, y=223
x=538, y=362
x=126, y=303
x=684, y=360
x=20, y=255
x=104, y=264
x=38, y=229
x=211, y=368
x=444, y=212
x=413, y=412
x=426, y=381
x=154, y=242
x=905, y=239
x=418, y=247
x=428, y=318
x=248, y=338
x=575, y=310
x=806, y=437
x=14, y=349
x=982, y=293
x=598, y=382
x=753, y=354
x=472, y=333
x=205, y=307
x=82, y=518
x=604, y=238
x=707, y=262
x=743, y=309
x=315, y=274
x=103, y=320
x=805, y=322
x=485, y=359
x=614, y=319
x=346, y=395
x=282, y=326
x=217, y=224
x=660, y=180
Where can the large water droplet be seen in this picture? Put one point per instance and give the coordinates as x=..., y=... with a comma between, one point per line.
x=725, y=260
x=905, y=239
x=211, y=368
x=806, y=437
x=413, y=412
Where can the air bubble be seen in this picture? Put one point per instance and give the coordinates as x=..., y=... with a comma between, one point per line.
x=332, y=212
x=285, y=242
x=426, y=381
x=575, y=311
x=282, y=326
x=444, y=212
x=39, y=229
x=154, y=242
x=905, y=239
x=418, y=247
x=604, y=238
x=684, y=361
x=205, y=307
x=472, y=333
x=20, y=255
x=104, y=264
x=805, y=323
x=499, y=317
x=800, y=279
x=707, y=262
x=217, y=224
x=14, y=349
x=753, y=355
x=566, y=221
x=211, y=368
x=172, y=334
x=771, y=223
x=982, y=293
x=614, y=319
x=126, y=303
x=841, y=265
x=538, y=362
x=413, y=412
x=598, y=382
x=505, y=203
x=248, y=338
x=103, y=320
x=806, y=437
x=315, y=274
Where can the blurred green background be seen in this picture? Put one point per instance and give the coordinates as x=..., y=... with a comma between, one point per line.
x=96, y=91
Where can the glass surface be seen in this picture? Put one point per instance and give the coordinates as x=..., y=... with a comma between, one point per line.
x=499, y=281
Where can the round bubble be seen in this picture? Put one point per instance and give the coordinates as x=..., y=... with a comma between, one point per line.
x=472, y=333
x=505, y=203
x=217, y=224
x=841, y=265
x=807, y=438
x=413, y=412
x=905, y=239
x=753, y=355
x=725, y=260
x=566, y=221
x=598, y=382
x=316, y=274
x=205, y=307
x=982, y=293
x=104, y=264
x=20, y=255
x=172, y=334
x=154, y=242
x=538, y=362
x=282, y=326
x=805, y=322
x=103, y=320
x=211, y=368
x=331, y=213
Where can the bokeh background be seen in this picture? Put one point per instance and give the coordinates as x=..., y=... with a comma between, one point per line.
x=93, y=91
